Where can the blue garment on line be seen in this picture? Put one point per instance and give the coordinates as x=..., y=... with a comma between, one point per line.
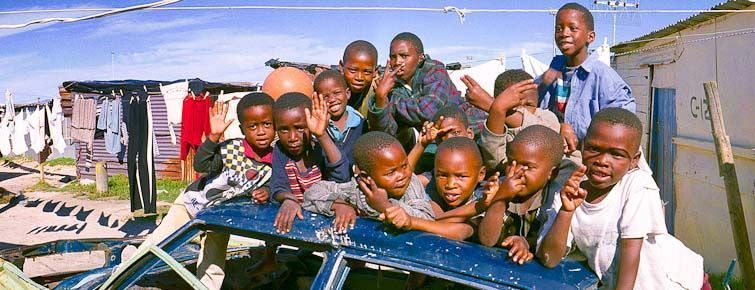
x=110, y=121
x=593, y=86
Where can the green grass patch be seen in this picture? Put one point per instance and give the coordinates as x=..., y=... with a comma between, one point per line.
x=15, y=159
x=61, y=161
x=715, y=279
x=118, y=188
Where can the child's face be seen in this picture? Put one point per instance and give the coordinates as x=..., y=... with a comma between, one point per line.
x=539, y=168
x=457, y=129
x=335, y=95
x=404, y=53
x=391, y=171
x=455, y=176
x=258, y=126
x=292, y=129
x=359, y=71
x=572, y=34
x=609, y=151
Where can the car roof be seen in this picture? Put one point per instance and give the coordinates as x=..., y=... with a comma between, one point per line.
x=380, y=242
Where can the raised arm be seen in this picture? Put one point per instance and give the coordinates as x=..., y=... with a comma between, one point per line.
x=553, y=246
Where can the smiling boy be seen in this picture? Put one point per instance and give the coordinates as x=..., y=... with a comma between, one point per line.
x=615, y=217
x=578, y=84
x=412, y=90
x=359, y=68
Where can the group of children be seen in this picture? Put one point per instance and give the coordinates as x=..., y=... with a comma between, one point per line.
x=542, y=167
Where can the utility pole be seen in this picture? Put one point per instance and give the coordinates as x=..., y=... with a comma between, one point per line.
x=614, y=5
x=112, y=65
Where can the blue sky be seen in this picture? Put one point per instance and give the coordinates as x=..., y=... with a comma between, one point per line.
x=232, y=45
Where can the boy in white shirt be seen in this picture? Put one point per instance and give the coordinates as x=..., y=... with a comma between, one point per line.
x=615, y=217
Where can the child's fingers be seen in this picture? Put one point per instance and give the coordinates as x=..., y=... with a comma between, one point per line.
x=510, y=169
x=507, y=242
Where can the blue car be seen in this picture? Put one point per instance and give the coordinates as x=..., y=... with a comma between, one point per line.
x=372, y=255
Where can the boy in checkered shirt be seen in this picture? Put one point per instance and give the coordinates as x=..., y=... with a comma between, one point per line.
x=229, y=169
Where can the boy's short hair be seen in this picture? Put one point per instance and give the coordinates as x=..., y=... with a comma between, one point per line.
x=291, y=100
x=452, y=112
x=330, y=75
x=360, y=47
x=508, y=78
x=586, y=14
x=411, y=38
x=462, y=144
x=367, y=145
x=251, y=100
x=546, y=141
x=618, y=116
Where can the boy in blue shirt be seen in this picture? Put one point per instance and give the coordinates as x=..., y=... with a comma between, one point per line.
x=578, y=85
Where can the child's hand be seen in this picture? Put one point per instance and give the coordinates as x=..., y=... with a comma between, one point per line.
x=377, y=197
x=260, y=195
x=317, y=118
x=513, y=185
x=572, y=195
x=519, y=249
x=288, y=211
x=513, y=96
x=346, y=216
x=385, y=85
x=476, y=95
x=218, y=124
x=398, y=217
x=490, y=189
x=570, y=138
x=431, y=132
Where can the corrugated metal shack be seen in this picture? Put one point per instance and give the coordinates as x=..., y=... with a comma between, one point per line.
x=167, y=164
x=666, y=70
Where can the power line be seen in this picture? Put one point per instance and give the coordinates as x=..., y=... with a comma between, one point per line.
x=367, y=8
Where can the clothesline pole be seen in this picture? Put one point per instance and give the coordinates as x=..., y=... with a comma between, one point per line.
x=731, y=183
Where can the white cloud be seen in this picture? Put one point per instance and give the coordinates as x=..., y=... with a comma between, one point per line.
x=118, y=26
x=220, y=55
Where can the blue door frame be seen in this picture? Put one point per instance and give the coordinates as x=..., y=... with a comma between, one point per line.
x=662, y=148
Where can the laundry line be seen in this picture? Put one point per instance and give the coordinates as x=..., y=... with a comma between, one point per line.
x=371, y=8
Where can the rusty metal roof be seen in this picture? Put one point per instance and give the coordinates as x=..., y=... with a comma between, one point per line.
x=681, y=25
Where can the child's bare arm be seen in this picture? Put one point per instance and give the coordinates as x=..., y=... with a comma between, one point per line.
x=553, y=246
x=490, y=226
x=451, y=230
x=629, y=262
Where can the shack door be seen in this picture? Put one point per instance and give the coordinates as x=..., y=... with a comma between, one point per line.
x=662, y=150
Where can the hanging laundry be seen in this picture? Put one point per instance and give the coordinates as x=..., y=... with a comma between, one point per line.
x=36, y=122
x=234, y=130
x=110, y=122
x=6, y=125
x=83, y=120
x=604, y=52
x=55, y=123
x=195, y=121
x=532, y=66
x=174, y=97
x=140, y=158
x=20, y=130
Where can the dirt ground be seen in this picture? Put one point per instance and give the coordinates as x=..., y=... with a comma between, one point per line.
x=38, y=217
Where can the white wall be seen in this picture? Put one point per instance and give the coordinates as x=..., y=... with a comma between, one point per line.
x=701, y=217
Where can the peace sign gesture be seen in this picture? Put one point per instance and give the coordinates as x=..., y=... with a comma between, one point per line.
x=385, y=85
